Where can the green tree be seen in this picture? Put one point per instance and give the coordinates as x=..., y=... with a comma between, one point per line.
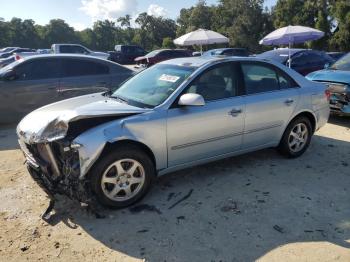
x=340, y=11
x=58, y=31
x=168, y=42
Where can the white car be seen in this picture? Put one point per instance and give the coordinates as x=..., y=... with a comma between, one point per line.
x=76, y=49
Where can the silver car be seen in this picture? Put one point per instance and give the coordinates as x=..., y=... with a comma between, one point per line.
x=176, y=114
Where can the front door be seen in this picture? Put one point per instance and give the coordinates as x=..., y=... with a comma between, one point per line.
x=200, y=132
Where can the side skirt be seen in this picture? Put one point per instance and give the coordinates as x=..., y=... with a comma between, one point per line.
x=215, y=158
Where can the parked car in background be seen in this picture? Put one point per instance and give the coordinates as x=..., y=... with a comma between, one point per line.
x=336, y=55
x=16, y=50
x=126, y=54
x=76, y=49
x=44, y=51
x=160, y=55
x=227, y=52
x=7, y=49
x=39, y=80
x=337, y=78
x=173, y=115
x=303, y=61
x=16, y=56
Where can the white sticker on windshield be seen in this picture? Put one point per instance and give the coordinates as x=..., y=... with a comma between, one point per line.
x=169, y=78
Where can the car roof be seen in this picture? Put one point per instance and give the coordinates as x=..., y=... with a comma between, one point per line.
x=199, y=61
x=64, y=55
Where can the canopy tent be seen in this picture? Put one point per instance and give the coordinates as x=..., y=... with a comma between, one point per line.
x=291, y=35
x=201, y=37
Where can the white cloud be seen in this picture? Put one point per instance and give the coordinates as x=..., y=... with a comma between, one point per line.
x=108, y=9
x=157, y=10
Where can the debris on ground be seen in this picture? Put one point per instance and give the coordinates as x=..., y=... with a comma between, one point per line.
x=278, y=228
x=144, y=207
x=181, y=199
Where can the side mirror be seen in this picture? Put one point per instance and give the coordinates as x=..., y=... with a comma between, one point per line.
x=191, y=100
x=326, y=65
x=9, y=75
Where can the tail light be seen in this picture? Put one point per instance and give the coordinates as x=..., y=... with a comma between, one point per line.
x=327, y=93
x=18, y=57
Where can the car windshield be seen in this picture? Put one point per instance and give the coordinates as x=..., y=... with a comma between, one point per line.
x=153, y=86
x=342, y=64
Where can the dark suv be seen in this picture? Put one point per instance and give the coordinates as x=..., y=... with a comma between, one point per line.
x=304, y=61
x=126, y=54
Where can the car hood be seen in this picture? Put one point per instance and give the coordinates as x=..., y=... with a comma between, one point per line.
x=329, y=75
x=51, y=122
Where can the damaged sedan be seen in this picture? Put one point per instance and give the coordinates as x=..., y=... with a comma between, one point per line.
x=337, y=78
x=177, y=114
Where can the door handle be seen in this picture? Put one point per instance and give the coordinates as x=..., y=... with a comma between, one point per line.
x=289, y=101
x=235, y=112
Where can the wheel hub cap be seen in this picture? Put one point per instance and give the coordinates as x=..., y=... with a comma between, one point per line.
x=123, y=179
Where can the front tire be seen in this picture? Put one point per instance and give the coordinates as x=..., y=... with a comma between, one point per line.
x=122, y=176
x=296, y=138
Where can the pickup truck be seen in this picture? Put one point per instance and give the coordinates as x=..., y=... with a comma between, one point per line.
x=126, y=54
x=76, y=49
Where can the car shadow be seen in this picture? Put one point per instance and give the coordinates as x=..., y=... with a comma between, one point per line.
x=237, y=209
x=8, y=137
x=339, y=120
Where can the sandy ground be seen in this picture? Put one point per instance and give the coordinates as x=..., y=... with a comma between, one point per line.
x=259, y=206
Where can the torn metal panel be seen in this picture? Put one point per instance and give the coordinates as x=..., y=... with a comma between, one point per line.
x=51, y=123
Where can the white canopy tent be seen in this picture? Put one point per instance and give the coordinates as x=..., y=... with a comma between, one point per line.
x=291, y=35
x=201, y=37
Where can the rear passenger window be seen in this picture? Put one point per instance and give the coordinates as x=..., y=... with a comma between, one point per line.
x=74, y=67
x=259, y=78
x=285, y=81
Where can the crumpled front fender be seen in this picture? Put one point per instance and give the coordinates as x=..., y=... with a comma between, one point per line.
x=90, y=144
x=148, y=129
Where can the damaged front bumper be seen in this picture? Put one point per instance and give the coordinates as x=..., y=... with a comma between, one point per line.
x=340, y=98
x=56, y=171
x=340, y=105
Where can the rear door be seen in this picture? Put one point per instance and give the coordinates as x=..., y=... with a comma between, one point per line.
x=271, y=97
x=35, y=85
x=82, y=76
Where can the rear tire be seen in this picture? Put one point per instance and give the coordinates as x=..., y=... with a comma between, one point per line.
x=296, y=138
x=122, y=176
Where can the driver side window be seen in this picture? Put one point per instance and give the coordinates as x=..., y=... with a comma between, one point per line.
x=218, y=82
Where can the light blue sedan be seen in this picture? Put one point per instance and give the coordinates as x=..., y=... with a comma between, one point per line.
x=176, y=114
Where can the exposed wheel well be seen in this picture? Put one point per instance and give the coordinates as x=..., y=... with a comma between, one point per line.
x=143, y=147
x=310, y=116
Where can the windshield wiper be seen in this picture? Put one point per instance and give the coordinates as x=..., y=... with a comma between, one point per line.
x=120, y=99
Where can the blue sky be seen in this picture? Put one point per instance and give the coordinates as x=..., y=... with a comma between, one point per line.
x=82, y=13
